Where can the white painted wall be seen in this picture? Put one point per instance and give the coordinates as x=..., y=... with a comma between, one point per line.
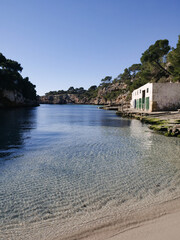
x=137, y=94
x=162, y=96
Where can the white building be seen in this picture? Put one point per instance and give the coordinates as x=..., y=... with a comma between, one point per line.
x=156, y=97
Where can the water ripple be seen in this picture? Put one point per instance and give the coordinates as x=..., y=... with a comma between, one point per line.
x=63, y=171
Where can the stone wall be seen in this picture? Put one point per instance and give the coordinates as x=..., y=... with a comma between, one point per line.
x=166, y=96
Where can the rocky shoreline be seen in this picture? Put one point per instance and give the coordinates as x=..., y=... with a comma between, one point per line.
x=14, y=99
x=166, y=123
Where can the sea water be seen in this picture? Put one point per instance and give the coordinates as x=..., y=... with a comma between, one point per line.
x=65, y=166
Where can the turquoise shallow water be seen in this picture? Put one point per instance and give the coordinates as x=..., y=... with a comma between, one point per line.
x=62, y=165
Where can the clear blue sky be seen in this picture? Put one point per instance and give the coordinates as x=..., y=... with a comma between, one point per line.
x=63, y=43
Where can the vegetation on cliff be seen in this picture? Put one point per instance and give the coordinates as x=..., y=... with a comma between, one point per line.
x=12, y=80
x=80, y=92
x=159, y=63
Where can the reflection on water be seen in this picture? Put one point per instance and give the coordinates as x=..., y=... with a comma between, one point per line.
x=72, y=163
x=15, y=127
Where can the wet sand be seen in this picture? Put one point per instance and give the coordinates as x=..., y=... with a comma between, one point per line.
x=158, y=222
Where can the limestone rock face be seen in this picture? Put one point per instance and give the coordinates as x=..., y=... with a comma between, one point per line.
x=114, y=94
x=13, y=98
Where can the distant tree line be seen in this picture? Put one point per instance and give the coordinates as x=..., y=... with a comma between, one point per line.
x=159, y=63
x=80, y=92
x=11, y=78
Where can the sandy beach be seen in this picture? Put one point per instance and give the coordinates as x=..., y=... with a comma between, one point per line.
x=155, y=223
x=164, y=228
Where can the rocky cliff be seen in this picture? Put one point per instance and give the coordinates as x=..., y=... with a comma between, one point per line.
x=112, y=94
x=15, y=90
x=13, y=98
